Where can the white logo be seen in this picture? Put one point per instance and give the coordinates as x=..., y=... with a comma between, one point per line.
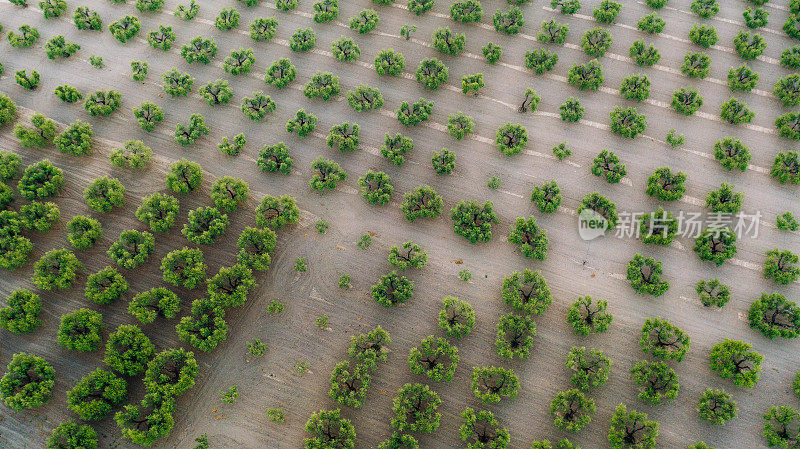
x=591, y=224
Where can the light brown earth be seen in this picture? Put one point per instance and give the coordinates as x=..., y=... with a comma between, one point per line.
x=269, y=381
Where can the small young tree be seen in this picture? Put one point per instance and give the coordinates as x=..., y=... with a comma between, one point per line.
x=161, y=39
x=571, y=410
x=515, y=336
x=105, y=286
x=509, y=22
x=94, y=396
x=716, y=406
x=491, y=384
x=431, y=73
x=481, y=429
x=132, y=249
x=28, y=383
x=435, y=358
x=21, y=313
x=591, y=368
x=737, y=360
x=392, y=289
x=631, y=429
x=128, y=350
x=644, y=274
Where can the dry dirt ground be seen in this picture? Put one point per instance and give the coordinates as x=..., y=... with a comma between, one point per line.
x=291, y=337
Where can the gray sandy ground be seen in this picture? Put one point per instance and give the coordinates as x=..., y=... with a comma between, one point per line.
x=269, y=381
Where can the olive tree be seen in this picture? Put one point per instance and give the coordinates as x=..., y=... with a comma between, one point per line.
x=415, y=409
x=435, y=358
x=511, y=138
x=588, y=317
x=482, y=430
x=188, y=134
x=509, y=21
x=632, y=429
x=716, y=244
x=159, y=211
x=281, y=73
x=540, y=60
x=134, y=154
x=125, y=28
x=21, y=313
x=703, y=35
x=57, y=269
x=205, y=328
x=276, y=213
x=171, y=372
x=553, y=32
x=530, y=237
x=350, y=382
x=395, y=147
x=328, y=429
x=712, y=292
x=656, y=381
x=627, y=122
x=132, y=249
x=151, y=419
x=76, y=139
x=94, y=396
x=156, y=302
x=161, y=39
x=389, y=62
x=457, y=317
x=665, y=185
x=69, y=434
x=364, y=98
x=431, y=73
x=148, y=115
x=302, y=40
x=643, y=55
x=370, y=346
x=663, y=340
x=28, y=383
x=781, y=266
x=596, y=42
x=177, y=84
x=635, y=87
x=644, y=274
x=491, y=383
x=422, y=202
x=392, y=289
x=587, y=76
x=547, y=197
x=736, y=360
x=39, y=215
x=473, y=221
x=742, y=78
x=515, y=336
x=217, y=92
x=591, y=368
x=775, y=316
x=571, y=410
x=716, y=406
x=205, y=225
x=105, y=286
x=696, y=65
x=230, y=286
x=128, y=350
x=302, y=123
